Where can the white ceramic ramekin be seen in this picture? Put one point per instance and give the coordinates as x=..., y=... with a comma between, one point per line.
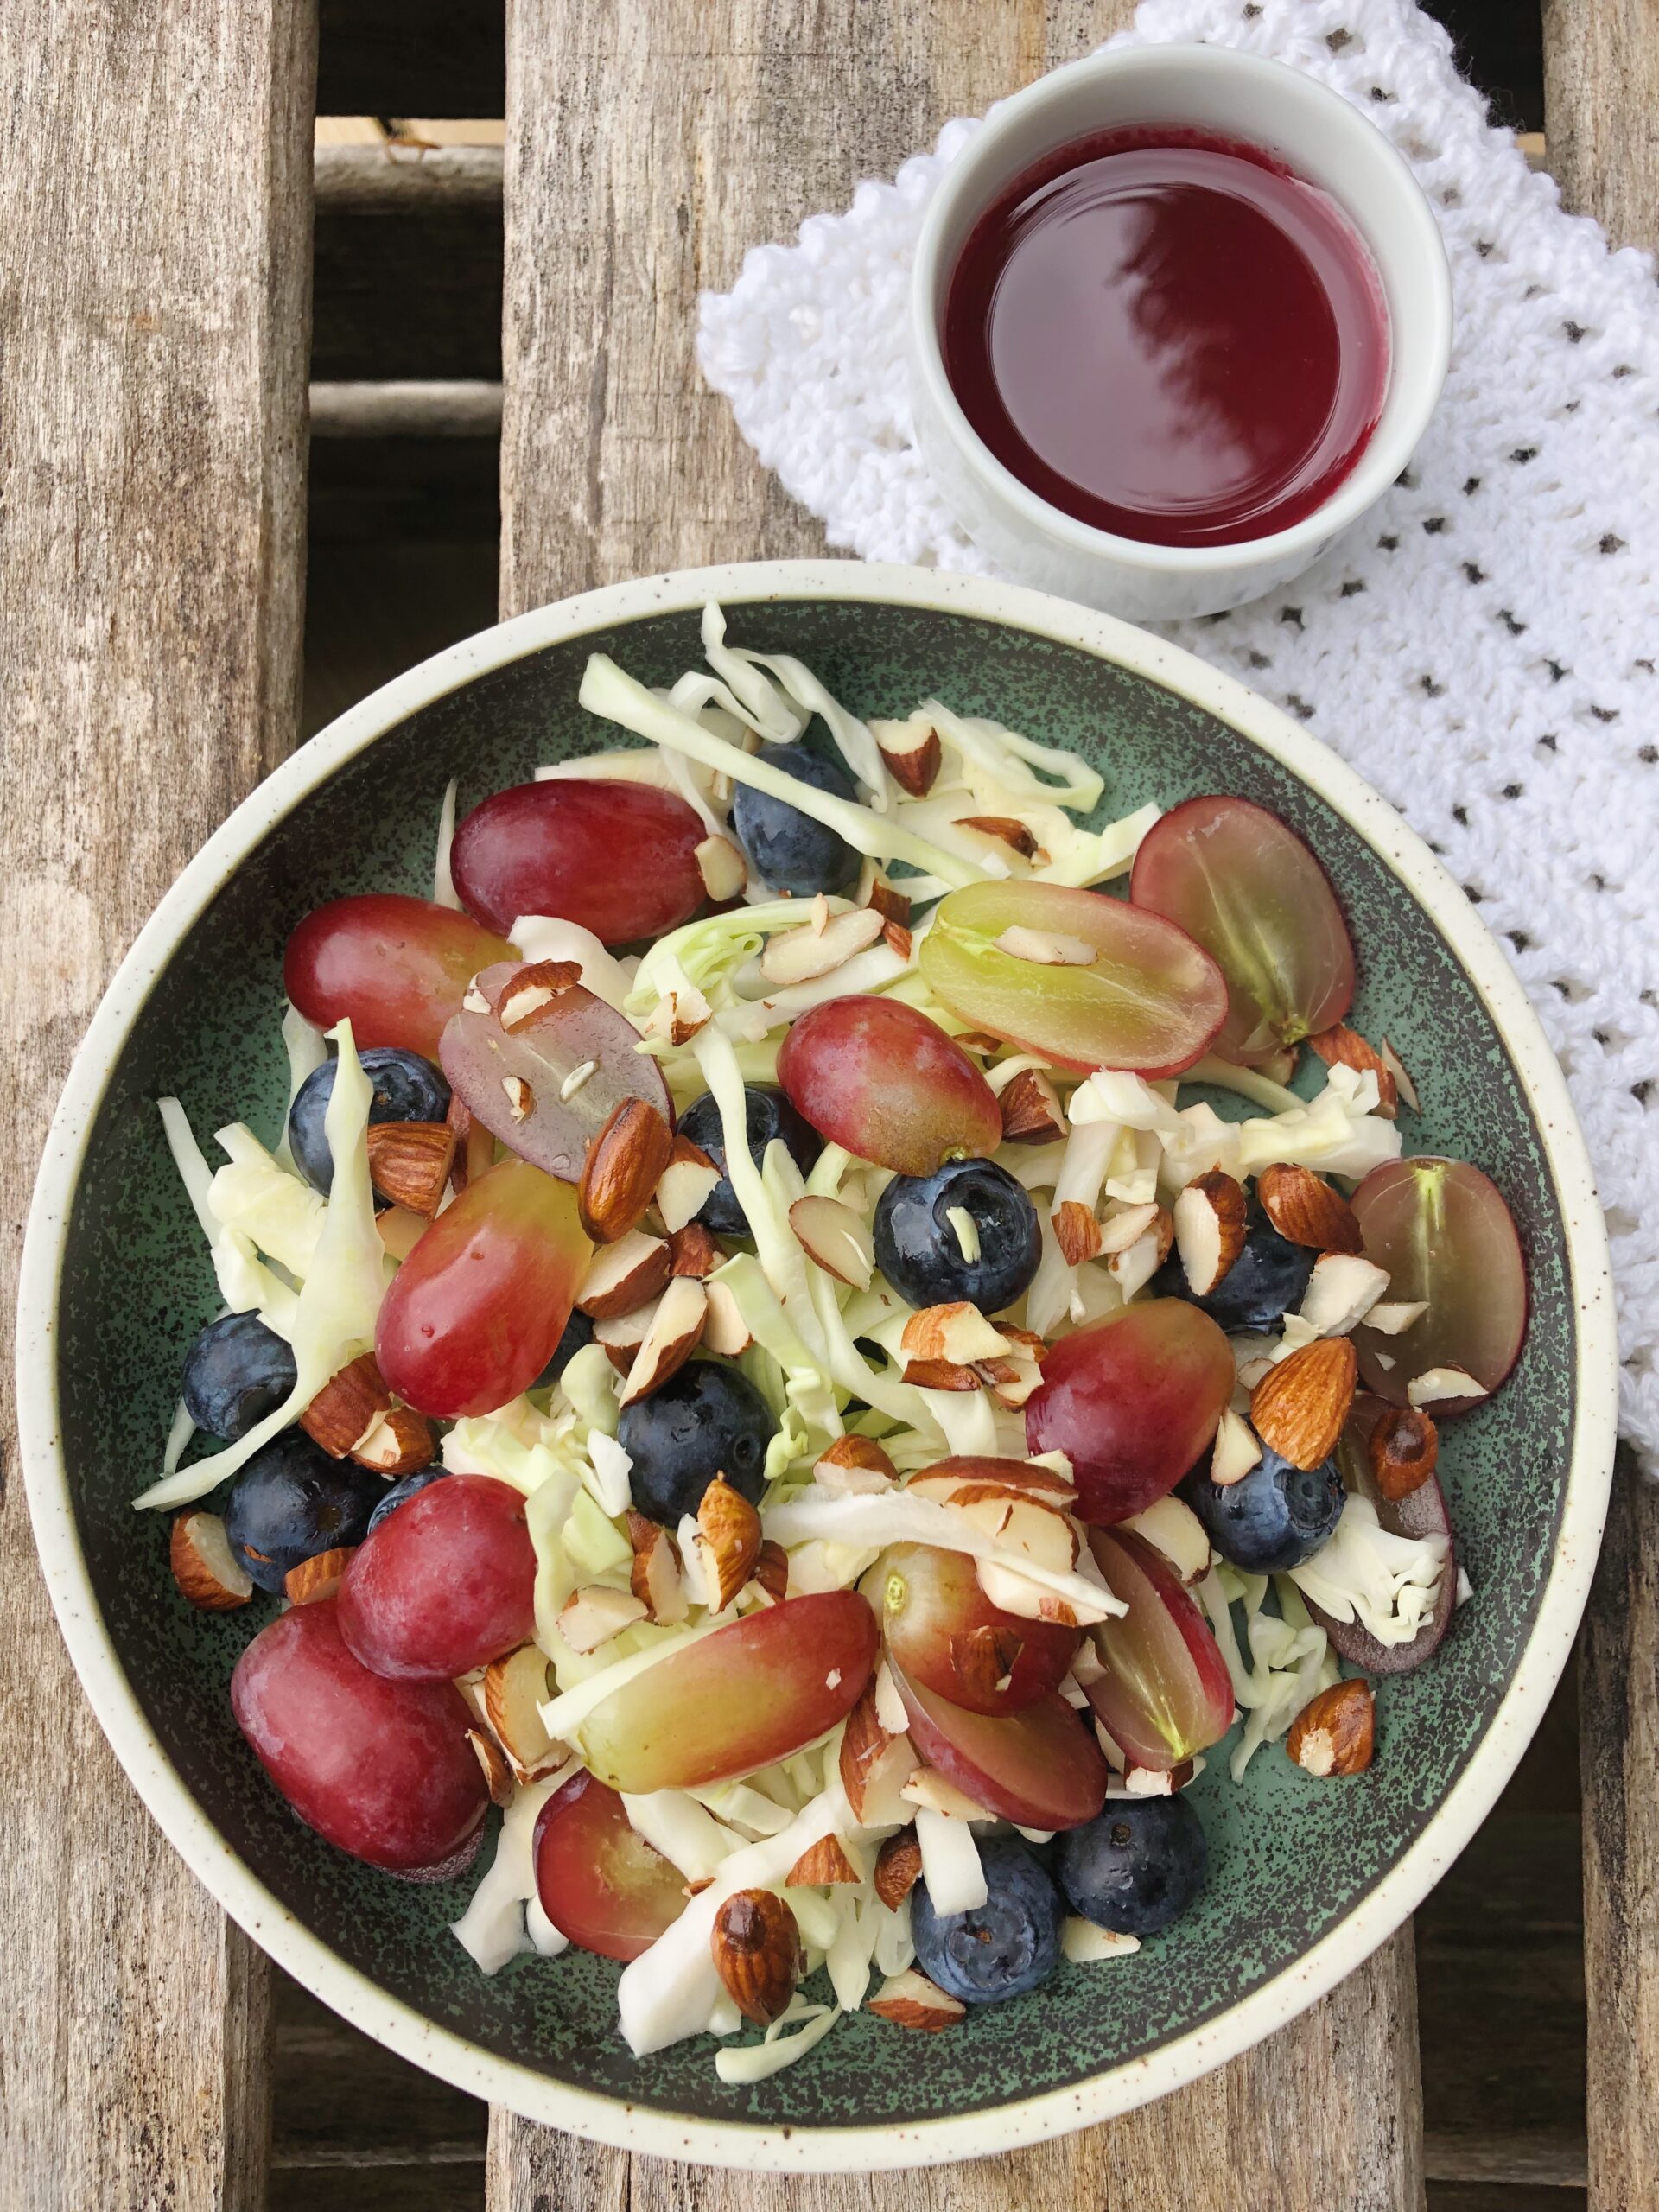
x=1324, y=140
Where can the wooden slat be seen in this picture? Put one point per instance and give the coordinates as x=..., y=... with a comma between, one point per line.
x=649, y=143
x=1601, y=96
x=155, y=184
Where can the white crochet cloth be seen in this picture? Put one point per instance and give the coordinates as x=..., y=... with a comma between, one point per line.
x=1482, y=649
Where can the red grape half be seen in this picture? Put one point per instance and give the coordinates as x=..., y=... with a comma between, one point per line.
x=1165, y=1693
x=619, y=858
x=600, y=1882
x=396, y=967
x=445, y=1584
x=880, y=1079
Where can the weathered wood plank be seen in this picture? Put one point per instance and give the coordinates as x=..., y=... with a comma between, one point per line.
x=155, y=184
x=1601, y=102
x=649, y=143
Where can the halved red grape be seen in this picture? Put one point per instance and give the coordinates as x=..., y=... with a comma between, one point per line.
x=599, y=1883
x=396, y=967
x=1166, y=1694
x=944, y=1632
x=381, y=1769
x=1245, y=886
x=548, y=1085
x=619, y=858
x=445, y=1584
x=880, y=1078
x=1132, y=1401
x=1443, y=1232
x=1150, y=1000
x=476, y=1311
x=751, y=1693
x=1041, y=1768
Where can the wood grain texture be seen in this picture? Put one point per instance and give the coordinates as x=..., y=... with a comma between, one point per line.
x=1601, y=117
x=155, y=184
x=1619, y=1766
x=649, y=143
x=1601, y=111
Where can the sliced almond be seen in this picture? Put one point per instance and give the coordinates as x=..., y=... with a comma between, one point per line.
x=593, y=1615
x=1031, y=1109
x=756, y=1947
x=1403, y=1083
x=722, y=867
x=728, y=1536
x=204, y=1567
x=1437, y=1384
x=897, y=1868
x=725, y=1331
x=400, y=1230
x=515, y=1689
x=534, y=987
x=624, y=1276
x=347, y=1408
x=1209, y=1218
x=850, y=1458
x=620, y=1337
x=679, y=1014
x=1013, y=1377
x=874, y=1762
x=1077, y=1232
x=521, y=1099
x=974, y=1480
x=1005, y=828
x=1341, y=1291
x=624, y=1166
x=892, y=905
x=983, y=1659
x=656, y=1579
x=942, y=1375
x=837, y=1237
x=1404, y=1448
x=913, y=753
x=823, y=1865
x=399, y=1442
x=1047, y=948
x=318, y=1576
x=1344, y=1047
x=1036, y=1530
x=1306, y=1210
x=800, y=956
x=1300, y=1405
x=955, y=1331
x=411, y=1162
x=979, y=1040
x=1236, y=1451
x=676, y=1331
x=1335, y=1732
x=910, y=2000
x=1393, y=1318
x=693, y=1251
x=1126, y=1226
x=1134, y=1269
x=686, y=1183
x=498, y=1773
x=771, y=1571
x=1171, y=1526
x=927, y=1787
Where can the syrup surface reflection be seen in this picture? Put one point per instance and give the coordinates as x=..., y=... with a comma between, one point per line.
x=1169, y=336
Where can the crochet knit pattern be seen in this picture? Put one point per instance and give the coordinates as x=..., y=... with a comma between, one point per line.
x=1481, y=647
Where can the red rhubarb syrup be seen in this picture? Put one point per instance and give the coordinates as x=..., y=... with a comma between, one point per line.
x=1169, y=335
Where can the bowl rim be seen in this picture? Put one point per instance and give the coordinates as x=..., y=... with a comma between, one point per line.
x=733, y=2141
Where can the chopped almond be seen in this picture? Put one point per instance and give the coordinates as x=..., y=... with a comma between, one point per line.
x=910, y=2000
x=1341, y=1047
x=1031, y=1109
x=205, y=1569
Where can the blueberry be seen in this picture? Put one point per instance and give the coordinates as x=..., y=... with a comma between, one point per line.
x=1136, y=1866
x=399, y=1493
x=787, y=849
x=291, y=1500
x=766, y=1114
x=918, y=1251
x=578, y=1332
x=1275, y=1518
x=237, y=1371
x=1266, y=1281
x=406, y=1088
x=1001, y=1948
x=707, y=1420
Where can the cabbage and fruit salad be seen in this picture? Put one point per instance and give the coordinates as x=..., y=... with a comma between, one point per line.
x=750, y=1356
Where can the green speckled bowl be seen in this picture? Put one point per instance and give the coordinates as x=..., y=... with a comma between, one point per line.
x=1307, y=1877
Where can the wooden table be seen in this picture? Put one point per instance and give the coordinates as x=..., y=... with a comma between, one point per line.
x=155, y=178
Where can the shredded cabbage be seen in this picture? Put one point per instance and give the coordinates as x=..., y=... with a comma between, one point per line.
x=1389, y=1583
x=443, y=883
